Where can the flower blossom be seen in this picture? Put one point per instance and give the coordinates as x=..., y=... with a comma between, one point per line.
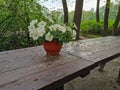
x=56, y=27
x=41, y=28
x=34, y=34
x=33, y=22
x=49, y=37
x=74, y=34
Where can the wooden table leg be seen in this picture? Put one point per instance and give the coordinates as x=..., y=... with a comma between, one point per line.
x=118, y=79
x=101, y=67
x=60, y=88
x=85, y=74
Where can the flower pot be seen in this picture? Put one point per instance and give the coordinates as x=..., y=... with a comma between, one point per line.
x=52, y=48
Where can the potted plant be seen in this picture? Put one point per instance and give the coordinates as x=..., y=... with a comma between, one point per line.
x=53, y=35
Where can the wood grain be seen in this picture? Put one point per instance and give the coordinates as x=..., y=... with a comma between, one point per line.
x=31, y=69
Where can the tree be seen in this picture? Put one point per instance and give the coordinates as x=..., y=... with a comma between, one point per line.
x=97, y=11
x=78, y=16
x=15, y=16
x=116, y=22
x=106, y=17
x=65, y=8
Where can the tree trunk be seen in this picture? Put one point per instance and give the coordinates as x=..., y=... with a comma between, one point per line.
x=97, y=11
x=106, y=17
x=116, y=23
x=78, y=16
x=65, y=8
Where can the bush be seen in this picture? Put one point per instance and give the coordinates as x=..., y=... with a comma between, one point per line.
x=93, y=27
x=16, y=42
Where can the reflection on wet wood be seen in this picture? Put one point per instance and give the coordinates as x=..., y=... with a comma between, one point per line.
x=94, y=49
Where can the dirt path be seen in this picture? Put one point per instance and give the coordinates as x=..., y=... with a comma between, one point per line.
x=82, y=37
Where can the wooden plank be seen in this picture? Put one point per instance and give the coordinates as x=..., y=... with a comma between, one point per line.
x=107, y=54
x=20, y=58
x=94, y=51
x=49, y=71
x=84, y=49
x=21, y=52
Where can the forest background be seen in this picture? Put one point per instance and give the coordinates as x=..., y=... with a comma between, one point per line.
x=15, y=16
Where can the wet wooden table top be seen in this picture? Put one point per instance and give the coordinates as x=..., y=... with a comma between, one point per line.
x=32, y=69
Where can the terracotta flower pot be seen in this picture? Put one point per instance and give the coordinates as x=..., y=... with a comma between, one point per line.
x=52, y=48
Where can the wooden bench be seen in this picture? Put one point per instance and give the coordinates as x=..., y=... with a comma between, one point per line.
x=32, y=69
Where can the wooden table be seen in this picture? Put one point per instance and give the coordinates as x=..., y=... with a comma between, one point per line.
x=32, y=69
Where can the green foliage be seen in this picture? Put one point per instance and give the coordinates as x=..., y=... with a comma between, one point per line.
x=57, y=16
x=93, y=27
x=15, y=16
x=112, y=13
x=16, y=41
x=88, y=15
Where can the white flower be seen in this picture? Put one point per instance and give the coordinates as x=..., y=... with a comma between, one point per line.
x=42, y=24
x=75, y=26
x=62, y=28
x=34, y=34
x=33, y=22
x=52, y=27
x=41, y=28
x=38, y=30
x=41, y=31
x=48, y=37
x=57, y=27
x=74, y=34
x=31, y=27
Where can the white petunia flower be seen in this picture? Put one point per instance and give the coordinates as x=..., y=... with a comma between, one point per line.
x=31, y=28
x=74, y=34
x=41, y=31
x=75, y=26
x=52, y=28
x=33, y=22
x=63, y=29
x=57, y=27
x=48, y=37
x=34, y=34
x=42, y=24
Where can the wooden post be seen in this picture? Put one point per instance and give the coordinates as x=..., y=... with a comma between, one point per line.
x=101, y=67
x=85, y=74
x=60, y=88
x=118, y=79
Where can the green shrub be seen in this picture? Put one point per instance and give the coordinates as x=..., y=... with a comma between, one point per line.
x=16, y=42
x=93, y=27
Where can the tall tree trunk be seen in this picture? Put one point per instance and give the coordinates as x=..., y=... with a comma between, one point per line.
x=116, y=23
x=106, y=17
x=65, y=11
x=78, y=16
x=97, y=11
